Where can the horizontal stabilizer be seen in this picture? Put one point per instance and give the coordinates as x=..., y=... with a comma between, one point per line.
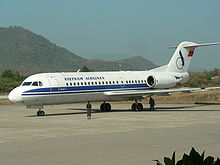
x=194, y=45
x=199, y=45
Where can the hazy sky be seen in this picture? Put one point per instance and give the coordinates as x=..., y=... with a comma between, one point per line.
x=117, y=29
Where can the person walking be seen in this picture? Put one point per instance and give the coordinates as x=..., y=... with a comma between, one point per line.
x=152, y=104
x=89, y=111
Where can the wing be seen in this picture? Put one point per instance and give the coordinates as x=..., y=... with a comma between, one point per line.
x=152, y=91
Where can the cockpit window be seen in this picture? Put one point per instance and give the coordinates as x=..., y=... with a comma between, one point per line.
x=26, y=83
x=34, y=83
x=40, y=83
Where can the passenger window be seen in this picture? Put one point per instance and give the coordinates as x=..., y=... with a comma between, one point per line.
x=129, y=81
x=81, y=83
x=85, y=83
x=106, y=82
x=135, y=81
x=71, y=84
x=92, y=83
x=78, y=83
x=132, y=81
x=142, y=81
x=99, y=83
x=109, y=82
x=74, y=84
x=34, y=83
x=88, y=83
x=40, y=83
x=117, y=82
x=138, y=81
x=67, y=84
x=103, y=82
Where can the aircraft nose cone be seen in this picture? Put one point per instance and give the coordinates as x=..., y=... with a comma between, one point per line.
x=15, y=95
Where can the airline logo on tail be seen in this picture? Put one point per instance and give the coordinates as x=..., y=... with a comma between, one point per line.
x=180, y=62
x=190, y=53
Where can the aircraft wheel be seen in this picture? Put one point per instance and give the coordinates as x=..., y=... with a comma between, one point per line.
x=140, y=107
x=40, y=113
x=133, y=107
x=108, y=107
x=102, y=107
x=105, y=107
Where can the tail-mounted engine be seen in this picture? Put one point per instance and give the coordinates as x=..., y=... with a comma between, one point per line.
x=161, y=81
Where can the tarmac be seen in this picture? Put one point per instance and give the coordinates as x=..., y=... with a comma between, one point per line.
x=121, y=137
x=3, y=96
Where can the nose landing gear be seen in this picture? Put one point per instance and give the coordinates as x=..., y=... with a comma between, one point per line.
x=40, y=112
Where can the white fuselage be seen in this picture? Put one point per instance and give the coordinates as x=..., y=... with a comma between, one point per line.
x=75, y=87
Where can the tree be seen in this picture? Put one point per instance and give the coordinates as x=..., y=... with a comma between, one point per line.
x=7, y=74
x=86, y=69
x=10, y=80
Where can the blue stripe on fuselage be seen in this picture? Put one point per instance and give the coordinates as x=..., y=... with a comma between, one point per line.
x=61, y=93
x=83, y=89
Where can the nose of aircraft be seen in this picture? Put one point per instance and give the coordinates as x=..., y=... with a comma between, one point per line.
x=15, y=95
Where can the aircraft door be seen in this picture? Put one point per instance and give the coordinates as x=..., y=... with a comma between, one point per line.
x=54, y=86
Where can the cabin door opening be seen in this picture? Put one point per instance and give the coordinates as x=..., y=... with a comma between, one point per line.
x=121, y=82
x=54, y=85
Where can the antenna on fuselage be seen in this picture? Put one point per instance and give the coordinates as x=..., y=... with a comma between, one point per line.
x=78, y=70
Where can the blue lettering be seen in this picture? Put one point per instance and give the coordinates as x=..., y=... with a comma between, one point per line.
x=83, y=78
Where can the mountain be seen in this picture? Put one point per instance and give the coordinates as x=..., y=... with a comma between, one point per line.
x=27, y=52
x=138, y=63
x=22, y=50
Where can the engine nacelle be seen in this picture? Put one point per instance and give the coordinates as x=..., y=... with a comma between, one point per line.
x=161, y=81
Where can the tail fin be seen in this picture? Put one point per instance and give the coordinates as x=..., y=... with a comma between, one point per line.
x=182, y=56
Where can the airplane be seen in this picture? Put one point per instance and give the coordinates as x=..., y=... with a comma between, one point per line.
x=42, y=89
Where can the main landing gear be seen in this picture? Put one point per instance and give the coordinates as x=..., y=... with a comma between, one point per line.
x=40, y=112
x=105, y=107
x=137, y=106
